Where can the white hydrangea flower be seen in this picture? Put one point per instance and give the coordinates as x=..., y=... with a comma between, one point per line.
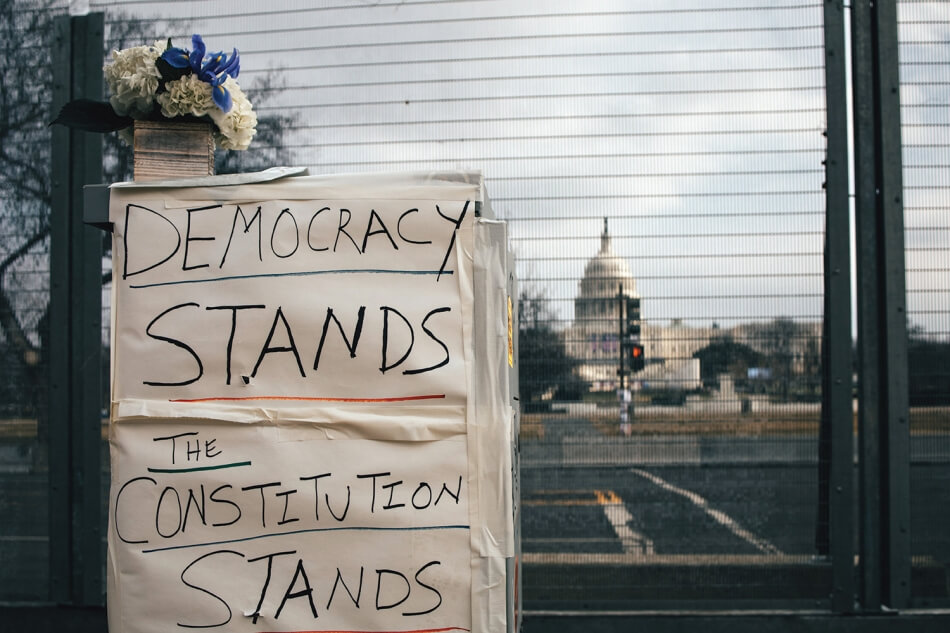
x=133, y=79
x=236, y=127
x=188, y=95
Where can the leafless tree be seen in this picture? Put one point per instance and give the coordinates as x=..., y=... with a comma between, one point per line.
x=26, y=28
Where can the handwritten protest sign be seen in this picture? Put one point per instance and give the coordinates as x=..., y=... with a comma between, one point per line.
x=289, y=299
x=292, y=424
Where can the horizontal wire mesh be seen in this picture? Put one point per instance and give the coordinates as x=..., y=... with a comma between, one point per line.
x=695, y=132
x=923, y=28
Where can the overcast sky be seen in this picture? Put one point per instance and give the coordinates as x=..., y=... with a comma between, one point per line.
x=695, y=127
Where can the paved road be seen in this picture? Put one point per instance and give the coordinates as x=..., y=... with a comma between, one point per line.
x=698, y=501
x=670, y=510
x=698, y=517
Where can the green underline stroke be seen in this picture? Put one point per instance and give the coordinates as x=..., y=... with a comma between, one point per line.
x=198, y=468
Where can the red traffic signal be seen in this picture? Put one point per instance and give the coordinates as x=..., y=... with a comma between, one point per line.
x=636, y=357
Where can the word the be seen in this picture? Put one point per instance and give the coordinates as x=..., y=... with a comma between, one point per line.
x=183, y=444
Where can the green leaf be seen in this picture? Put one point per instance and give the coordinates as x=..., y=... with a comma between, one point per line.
x=91, y=116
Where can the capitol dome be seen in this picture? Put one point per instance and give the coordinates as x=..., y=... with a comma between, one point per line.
x=604, y=274
x=593, y=340
x=594, y=337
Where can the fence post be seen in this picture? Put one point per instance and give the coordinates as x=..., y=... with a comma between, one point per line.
x=75, y=323
x=837, y=437
x=884, y=436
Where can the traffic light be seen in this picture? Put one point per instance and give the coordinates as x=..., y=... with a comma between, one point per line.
x=632, y=325
x=636, y=357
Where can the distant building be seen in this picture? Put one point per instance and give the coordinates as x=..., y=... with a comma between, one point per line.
x=594, y=337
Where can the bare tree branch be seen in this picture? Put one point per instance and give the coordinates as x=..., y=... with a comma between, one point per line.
x=8, y=319
x=27, y=26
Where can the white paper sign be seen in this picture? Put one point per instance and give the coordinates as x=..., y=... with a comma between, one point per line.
x=291, y=418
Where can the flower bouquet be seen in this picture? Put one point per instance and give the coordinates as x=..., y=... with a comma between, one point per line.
x=162, y=82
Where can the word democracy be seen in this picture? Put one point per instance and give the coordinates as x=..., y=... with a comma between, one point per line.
x=211, y=238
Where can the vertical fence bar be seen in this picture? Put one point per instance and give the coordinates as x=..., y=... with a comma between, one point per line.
x=76, y=562
x=60, y=521
x=837, y=434
x=869, y=423
x=882, y=334
x=893, y=309
x=88, y=37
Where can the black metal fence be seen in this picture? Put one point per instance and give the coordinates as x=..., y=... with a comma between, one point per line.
x=776, y=450
x=925, y=81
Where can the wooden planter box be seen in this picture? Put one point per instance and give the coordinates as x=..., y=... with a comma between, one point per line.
x=168, y=150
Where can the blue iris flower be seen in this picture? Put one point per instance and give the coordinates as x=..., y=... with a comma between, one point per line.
x=212, y=68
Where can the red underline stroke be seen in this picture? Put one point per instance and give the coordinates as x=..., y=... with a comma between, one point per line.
x=432, y=396
x=442, y=630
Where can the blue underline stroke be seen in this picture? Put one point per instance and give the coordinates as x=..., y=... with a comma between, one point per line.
x=341, y=271
x=306, y=531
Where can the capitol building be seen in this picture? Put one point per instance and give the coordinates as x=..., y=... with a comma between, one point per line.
x=593, y=339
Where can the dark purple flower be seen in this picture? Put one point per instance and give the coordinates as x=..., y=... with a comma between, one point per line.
x=212, y=68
